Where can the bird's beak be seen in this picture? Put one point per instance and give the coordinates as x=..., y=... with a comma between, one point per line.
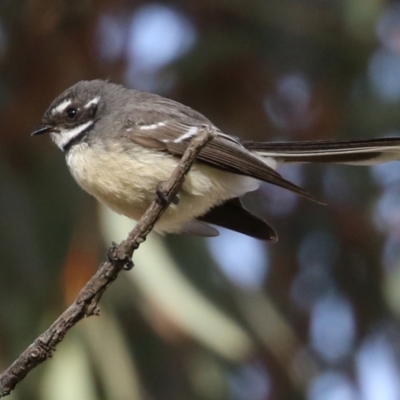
x=41, y=129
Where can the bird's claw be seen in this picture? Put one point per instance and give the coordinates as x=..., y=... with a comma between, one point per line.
x=165, y=199
x=112, y=255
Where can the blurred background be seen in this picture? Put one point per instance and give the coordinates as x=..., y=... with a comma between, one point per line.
x=315, y=316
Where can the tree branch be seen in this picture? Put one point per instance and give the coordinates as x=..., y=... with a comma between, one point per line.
x=119, y=256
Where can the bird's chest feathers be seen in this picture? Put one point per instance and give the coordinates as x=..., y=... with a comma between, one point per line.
x=115, y=176
x=126, y=180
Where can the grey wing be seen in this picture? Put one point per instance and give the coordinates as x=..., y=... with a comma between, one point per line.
x=223, y=152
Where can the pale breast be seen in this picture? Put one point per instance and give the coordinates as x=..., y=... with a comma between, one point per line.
x=126, y=182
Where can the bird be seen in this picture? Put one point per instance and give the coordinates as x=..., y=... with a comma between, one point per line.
x=120, y=144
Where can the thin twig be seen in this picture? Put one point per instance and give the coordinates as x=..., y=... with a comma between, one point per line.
x=86, y=303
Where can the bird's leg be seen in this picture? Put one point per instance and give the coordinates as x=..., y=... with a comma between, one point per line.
x=163, y=198
x=113, y=256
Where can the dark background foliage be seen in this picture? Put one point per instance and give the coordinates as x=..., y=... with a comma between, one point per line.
x=314, y=316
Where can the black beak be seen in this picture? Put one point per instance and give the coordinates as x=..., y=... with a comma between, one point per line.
x=41, y=129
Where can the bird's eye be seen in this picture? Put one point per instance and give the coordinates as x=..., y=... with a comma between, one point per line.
x=71, y=112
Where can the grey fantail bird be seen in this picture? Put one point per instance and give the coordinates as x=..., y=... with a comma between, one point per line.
x=120, y=144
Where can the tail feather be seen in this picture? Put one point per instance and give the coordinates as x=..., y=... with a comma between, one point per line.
x=233, y=215
x=354, y=152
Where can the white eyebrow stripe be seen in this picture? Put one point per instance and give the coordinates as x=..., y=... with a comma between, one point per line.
x=92, y=102
x=61, y=107
x=191, y=132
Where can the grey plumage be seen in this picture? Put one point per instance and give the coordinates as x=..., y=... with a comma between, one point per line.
x=120, y=143
x=352, y=152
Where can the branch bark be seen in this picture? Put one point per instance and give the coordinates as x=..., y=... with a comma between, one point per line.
x=86, y=303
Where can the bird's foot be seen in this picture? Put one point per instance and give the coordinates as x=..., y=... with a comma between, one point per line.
x=163, y=198
x=114, y=257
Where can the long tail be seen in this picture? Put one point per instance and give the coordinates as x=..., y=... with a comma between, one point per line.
x=354, y=152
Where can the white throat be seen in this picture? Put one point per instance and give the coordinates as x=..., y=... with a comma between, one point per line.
x=66, y=136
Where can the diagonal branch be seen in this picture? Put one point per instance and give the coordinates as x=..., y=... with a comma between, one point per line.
x=86, y=303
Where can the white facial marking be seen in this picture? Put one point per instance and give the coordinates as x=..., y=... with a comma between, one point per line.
x=61, y=107
x=191, y=132
x=152, y=126
x=92, y=102
x=65, y=136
